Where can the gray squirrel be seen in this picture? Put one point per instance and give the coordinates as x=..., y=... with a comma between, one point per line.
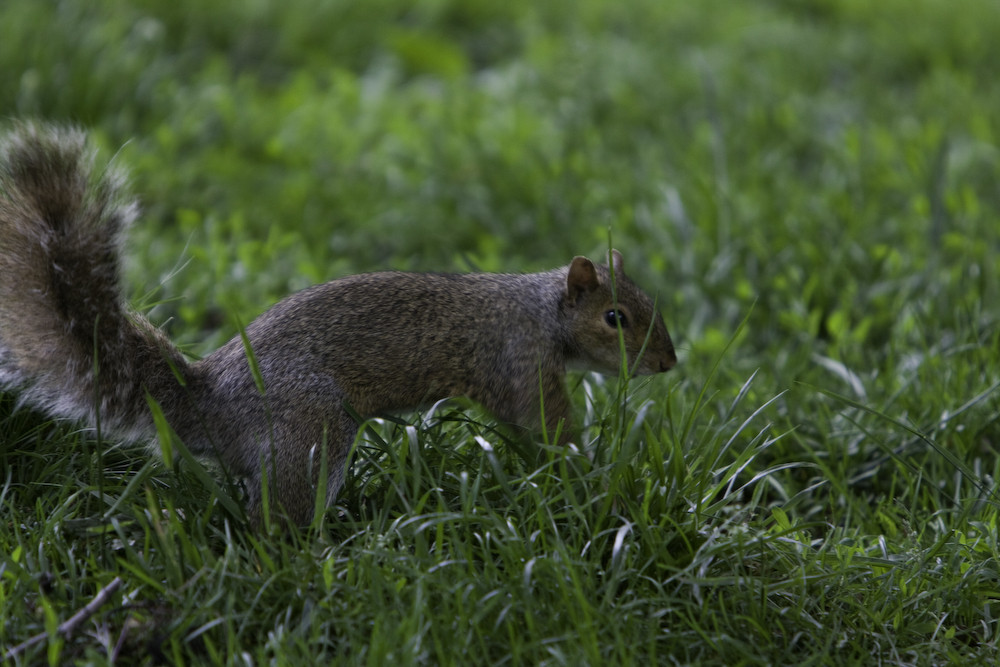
x=366, y=345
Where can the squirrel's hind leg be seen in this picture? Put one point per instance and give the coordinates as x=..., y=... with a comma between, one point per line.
x=303, y=446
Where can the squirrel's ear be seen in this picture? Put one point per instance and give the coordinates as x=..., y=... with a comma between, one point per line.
x=615, y=259
x=582, y=277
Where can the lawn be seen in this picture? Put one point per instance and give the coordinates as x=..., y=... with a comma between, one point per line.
x=810, y=188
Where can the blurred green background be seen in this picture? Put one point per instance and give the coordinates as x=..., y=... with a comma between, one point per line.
x=827, y=171
x=813, y=156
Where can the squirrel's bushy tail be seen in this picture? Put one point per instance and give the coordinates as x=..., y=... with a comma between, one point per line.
x=68, y=342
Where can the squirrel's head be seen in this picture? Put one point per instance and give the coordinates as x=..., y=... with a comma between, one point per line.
x=601, y=304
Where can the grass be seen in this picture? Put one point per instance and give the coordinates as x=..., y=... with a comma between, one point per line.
x=810, y=189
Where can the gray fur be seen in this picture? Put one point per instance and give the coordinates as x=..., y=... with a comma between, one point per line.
x=379, y=343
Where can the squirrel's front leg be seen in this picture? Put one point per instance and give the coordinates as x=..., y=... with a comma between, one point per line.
x=545, y=412
x=557, y=418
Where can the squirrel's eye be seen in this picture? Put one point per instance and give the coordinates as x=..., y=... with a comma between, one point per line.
x=614, y=318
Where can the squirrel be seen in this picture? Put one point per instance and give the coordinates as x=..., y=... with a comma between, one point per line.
x=359, y=346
